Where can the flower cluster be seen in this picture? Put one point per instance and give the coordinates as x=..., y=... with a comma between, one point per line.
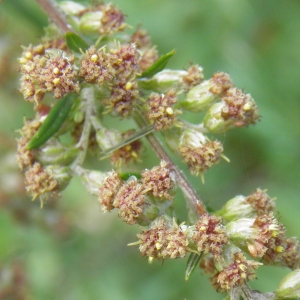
x=101, y=74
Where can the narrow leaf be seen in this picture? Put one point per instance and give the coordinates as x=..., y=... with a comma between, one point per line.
x=192, y=262
x=159, y=65
x=53, y=122
x=75, y=42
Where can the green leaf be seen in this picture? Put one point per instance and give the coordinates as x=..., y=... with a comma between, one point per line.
x=159, y=65
x=125, y=176
x=192, y=262
x=53, y=122
x=75, y=42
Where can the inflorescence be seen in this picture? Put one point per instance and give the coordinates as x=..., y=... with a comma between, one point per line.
x=116, y=77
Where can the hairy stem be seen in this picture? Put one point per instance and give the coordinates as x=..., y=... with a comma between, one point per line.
x=187, y=190
x=88, y=97
x=55, y=14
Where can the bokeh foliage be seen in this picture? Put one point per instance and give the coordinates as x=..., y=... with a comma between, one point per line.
x=72, y=250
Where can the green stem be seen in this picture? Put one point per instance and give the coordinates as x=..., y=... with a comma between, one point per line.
x=87, y=95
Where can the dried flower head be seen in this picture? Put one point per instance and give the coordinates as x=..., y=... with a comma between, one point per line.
x=221, y=83
x=158, y=182
x=25, y=157
x=109, y=190
x=128, y=153
x=193, y=77
x=122, y=98
x=40, y=183
x=125, y=60
x=149, y=57
x=95, y=67
x=200, y=159
x=240, y=108
x=236, y=274
x=291, y=255
x=112, y=19
x=161, y=112
x=130, y=200
x=141, y=38
x=43, y=73
x=268, y=239
x=210, y=235
x=163, y=241
x=261, y=202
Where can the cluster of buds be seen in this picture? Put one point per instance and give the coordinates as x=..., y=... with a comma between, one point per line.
x=119, y=74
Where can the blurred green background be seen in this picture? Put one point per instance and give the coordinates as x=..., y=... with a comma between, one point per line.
x=72, y=251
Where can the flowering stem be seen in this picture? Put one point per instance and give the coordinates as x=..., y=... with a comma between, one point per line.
x=54, y=13
x=187, y=190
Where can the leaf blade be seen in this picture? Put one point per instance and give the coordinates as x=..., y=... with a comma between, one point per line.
x=159, y=65
x=53, y=122
x=75, y=42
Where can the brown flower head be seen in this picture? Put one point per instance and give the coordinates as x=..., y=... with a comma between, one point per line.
x=193, y=77
x=44, y=72
x=141, y=38
x=122, y=98
x=221, y=83
x=109, y=190
x=25, y=157
x=236, y=274
x=149, y=57
x=39, y=182
x=112, y=19
x=161, y=112
x=240, y=108
x=95, y=67
x=291, y=255
x=125, y=61
x=200, y=159
x=268, y=239
x=130, y=200
x=210, y=235
x=163, y=241
x=261, y=202
x=158, y=182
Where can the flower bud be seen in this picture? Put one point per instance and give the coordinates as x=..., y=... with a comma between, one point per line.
x=163, y=81
x=92, y=180
x=200, y=97
x=61, y=174
x=214, y=121
x=236, y=207
x=71, y=8
x=107, y=138
x=289, y=287
x=55, y=153
x=90, y=22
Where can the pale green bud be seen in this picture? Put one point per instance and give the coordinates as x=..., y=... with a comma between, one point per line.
x=150, y=213
x=199, y=97
x=90, y=22
x=107, y=138
x=214, y=121
x=61, y=174
x=162, y=81
x=92, y=180
x=240, y=231
x=289, y=287
x=71, y=8
x=54, y=152
x=236, y=208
